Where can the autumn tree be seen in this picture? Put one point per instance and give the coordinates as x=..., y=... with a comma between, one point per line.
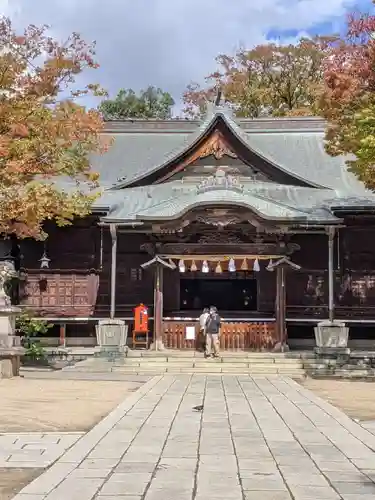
x=44, y=137
x=269, y=79
x=150, y=103
x=348, y=101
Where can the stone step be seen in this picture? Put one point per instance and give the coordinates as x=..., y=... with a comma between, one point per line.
x=214, y=365
x=171, y=354
x=195, y=360
x=295, y=371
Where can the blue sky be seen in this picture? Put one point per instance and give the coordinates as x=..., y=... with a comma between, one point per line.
x=333, y=24
x=169, y=43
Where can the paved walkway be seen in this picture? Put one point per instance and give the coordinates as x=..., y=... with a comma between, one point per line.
x=256, y=439
x=34, y=449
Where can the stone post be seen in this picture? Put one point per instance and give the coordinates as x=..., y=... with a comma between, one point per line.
x=10, y=344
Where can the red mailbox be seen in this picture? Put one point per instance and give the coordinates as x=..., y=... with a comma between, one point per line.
x=141, y=319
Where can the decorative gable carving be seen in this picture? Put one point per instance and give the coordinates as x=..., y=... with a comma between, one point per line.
x=217, y=147
x=219, y=181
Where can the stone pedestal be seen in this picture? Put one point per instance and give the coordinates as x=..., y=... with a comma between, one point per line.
x=10, y=344
x=331, y=334
x=111, y=336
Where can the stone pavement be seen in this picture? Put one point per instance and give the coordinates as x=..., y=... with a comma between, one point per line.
x=34, y=449
x=257, y=438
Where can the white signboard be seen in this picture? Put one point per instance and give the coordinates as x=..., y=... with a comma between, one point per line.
x=190, y=333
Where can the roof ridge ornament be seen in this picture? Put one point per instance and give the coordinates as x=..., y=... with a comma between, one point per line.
x=219, y=97
x=217, y=103
x=220, y=181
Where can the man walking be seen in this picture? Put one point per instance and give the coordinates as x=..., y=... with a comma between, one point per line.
x=212, y=329
x=202, y=328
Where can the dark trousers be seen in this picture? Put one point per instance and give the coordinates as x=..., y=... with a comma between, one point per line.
x=202, y=341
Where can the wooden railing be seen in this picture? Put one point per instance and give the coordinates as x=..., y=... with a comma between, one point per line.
x=68, y=293
x=239, y=335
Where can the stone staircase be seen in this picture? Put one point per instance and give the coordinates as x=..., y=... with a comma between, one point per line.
x=235, y=363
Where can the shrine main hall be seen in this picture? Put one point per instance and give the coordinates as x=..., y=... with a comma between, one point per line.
x=249, y=215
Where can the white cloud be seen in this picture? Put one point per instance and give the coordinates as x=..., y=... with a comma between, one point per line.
x=170, y=42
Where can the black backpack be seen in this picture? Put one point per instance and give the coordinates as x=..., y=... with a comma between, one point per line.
x=212, y=323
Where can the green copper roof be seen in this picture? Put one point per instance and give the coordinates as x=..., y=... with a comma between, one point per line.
x=294, y=146
x=168, y=201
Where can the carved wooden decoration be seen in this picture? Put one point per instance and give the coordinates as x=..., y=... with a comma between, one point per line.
x=215, y=145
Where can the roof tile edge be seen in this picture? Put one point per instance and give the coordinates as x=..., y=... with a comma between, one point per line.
x=249, y=125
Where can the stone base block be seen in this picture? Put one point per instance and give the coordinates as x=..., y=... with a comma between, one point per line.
x=6, y=368
x=157, y=345
x=334, y=362
x=332, y=351
x=281, y=347
x=111, y=353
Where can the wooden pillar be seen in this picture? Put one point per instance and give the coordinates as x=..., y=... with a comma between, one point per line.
x=281, y=305
x=113, y=231
x=158, y=309
x=158, y=265
x=281, y=266
x=63, y=335
x=331, y=281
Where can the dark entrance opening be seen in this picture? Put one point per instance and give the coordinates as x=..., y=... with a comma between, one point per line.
x=238, y=293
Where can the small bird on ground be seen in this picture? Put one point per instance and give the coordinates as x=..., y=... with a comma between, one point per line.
x=198, y=408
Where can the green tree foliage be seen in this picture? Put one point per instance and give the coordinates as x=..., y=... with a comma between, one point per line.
x=150, y=103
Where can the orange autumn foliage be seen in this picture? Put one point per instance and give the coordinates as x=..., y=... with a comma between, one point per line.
x=46, y=137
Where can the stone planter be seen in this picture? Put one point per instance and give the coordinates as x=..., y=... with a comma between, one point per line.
x=332, y=335
x=112, y=335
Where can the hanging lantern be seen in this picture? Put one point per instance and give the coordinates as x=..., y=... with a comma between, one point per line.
x=218, y=268
x=244, y=266
x=232, y=266
x=181, y=266
x=256, y=266
x=193, y=267
x=205, y=268
x=44, y=261
x=270, y=263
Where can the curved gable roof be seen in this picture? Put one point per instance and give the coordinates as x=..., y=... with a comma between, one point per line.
x=191, y=141
x=294, y=147
x=171, y=200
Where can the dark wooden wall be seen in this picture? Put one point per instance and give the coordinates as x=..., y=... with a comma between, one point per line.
x=77, y=249
x=133, y=285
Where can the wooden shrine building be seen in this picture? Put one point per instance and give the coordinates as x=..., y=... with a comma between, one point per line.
x=249, y=215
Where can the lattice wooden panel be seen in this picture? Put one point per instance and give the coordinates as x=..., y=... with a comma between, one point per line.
x=61, y=294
